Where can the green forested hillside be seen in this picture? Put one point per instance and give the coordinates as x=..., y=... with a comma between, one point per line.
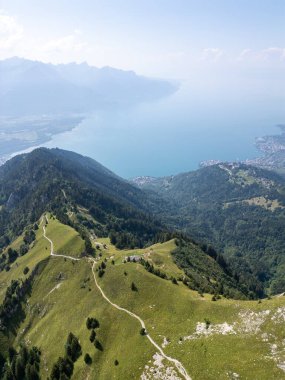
x=238, y=209
x=211, y=339
x=95, y=202
x=93, y=286
x=62, y=181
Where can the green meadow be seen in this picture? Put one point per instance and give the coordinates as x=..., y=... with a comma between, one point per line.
x=236, y=340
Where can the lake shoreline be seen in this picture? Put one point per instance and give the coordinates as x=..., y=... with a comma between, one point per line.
x=48, y=128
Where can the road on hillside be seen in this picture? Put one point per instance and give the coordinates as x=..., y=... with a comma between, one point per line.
x=177, y=363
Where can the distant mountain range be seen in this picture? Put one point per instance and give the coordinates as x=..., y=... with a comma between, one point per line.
x=39, y=100
x=32, y=87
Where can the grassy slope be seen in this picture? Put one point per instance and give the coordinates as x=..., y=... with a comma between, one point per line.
x=63, y=236
x=173, y=311
x=169, y=310
x=66, y=241
x=52, y=316
x=38, y=252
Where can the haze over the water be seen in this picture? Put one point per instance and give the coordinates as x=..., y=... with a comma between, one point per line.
x=229, y=57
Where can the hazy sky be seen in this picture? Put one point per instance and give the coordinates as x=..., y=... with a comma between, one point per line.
x=229, y=56
x=163, y=38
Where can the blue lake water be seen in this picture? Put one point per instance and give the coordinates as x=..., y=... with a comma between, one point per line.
x=174, y=134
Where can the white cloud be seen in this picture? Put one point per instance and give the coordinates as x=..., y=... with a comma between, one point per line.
x=72, y=43
x=65, y=48
x=273, y=53
x=246, y=53
x=11, y=32
x=75, y=46
x=269, y=55
x=212, y=54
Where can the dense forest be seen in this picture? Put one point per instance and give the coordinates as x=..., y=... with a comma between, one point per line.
x=222, y=226
x=210, y=206
x=238, y=209
x=57, y=181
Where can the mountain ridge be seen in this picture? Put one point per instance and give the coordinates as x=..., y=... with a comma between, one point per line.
x=237, y=208
x=123, y=294
x=63, y=296
x=80, y=191
x=54, y=179
x=35, y=88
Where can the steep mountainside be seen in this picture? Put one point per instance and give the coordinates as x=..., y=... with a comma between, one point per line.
x=93, y=286
x=239, y=209
x=62, y=181
x=93, y=200
x=84, y=194
x=66, y=316
x=31, y=87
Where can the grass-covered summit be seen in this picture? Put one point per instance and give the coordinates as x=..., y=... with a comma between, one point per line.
x=63, y=314
x=61, y=181
x=90, y=198
x=92, y=285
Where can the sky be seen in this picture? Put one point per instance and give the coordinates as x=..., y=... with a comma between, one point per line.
x=179, y=39
x=227, y=55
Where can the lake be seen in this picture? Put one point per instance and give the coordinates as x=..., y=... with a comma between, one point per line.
x=176, y=133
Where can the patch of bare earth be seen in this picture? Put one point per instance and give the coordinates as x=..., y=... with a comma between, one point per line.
x=157, y=370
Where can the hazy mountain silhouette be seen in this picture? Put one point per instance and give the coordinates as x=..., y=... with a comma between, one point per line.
x=32, y=87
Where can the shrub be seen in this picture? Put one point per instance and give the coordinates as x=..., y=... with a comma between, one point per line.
x=92, y=336
x=92, y=323
x=143, y=331
x=207, y=323
x=87, y=359
x=98, y=345
x=62, y=369
x=133, y=287
x=73, y=347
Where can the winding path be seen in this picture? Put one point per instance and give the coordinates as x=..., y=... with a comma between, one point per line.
x=177, y=363
x=52, y=251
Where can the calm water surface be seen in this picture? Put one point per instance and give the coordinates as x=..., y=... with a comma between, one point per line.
x=174, y=134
